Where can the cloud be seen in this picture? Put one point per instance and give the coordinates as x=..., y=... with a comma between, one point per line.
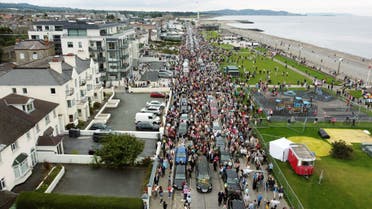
x=358, y=7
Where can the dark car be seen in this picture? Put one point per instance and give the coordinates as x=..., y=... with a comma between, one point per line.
x=157, y=95
x=225, y=157
x=99, y=126
x=99, y=136
x=182, y=129
x=203, y=177
x=236, y=204
x=230, y=177
x=220, y=143
x=179, y=177
x=184, y=109
x=147, y=126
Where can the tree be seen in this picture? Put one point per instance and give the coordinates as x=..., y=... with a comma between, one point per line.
x=341, y=150
x=120, y=150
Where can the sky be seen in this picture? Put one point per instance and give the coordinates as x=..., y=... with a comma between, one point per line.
x=356, y=7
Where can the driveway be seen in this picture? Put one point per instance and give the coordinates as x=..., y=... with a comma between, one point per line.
x=83, y=144
x=85, y=180
x=122, y=117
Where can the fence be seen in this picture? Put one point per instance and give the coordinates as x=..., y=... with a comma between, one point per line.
x=64, y=158
x=290, y=195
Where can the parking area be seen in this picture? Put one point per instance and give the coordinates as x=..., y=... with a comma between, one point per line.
x=85, y=180
x=122, y=117
x=83, y=144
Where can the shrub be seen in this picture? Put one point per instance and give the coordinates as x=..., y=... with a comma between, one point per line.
x=96, y=105
x=49, y=179
x=341, y=150
x=69, y=126
x=81, y=124
x=36, y=200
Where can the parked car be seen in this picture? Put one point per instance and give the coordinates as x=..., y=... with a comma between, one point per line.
x=165, y=75
x=99, y=126
x=157, y=95
x=146, y=126
x=155, y=103
x=98, y=136
x=179, y=177
x=203, y=176
x=152, y=109
x=182, y=129
x=181, y=155
x=147, y=117
x=230, y=177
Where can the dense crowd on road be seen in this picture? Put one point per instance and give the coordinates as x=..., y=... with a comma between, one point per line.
x=211, y=115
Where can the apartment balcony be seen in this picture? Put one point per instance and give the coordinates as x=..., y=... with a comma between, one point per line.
x=82, y=102
x=70, y=92
x=83, y=82
x=96, y=48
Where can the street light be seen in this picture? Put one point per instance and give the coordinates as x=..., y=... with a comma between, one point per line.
x=339, y=65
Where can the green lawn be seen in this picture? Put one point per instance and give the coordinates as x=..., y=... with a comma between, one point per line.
x=307, y=70
x=346, y=183
x=356, y=93
x=208, y=35
x=250, y=61
x=261, y=49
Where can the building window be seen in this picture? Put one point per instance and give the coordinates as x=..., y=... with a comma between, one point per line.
x=70, y=103
x=54, y=114
x=2, y=184
x=37, y=128
x=14, y=90
x=47, y=120
x=21, y=56
x=39, y=28
x=34, y=37
x=20, y=165
x=13, y=147
x=70, y=44
x=28, y=135
x=47, y=27
x=71, y=118
x=53, y=91
x=80, y=44
x=34, y=55
x=24, y=90
x=29, y=107
x=111, y=45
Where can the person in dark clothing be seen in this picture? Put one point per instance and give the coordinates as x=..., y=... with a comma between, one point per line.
x=220, y=197
x=165, y=205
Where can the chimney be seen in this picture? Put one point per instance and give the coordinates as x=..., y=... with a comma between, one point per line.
x=56, y=64
x=70, y=59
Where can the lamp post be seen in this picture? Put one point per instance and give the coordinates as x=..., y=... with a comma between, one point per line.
x=339, y=65
x=369, y=73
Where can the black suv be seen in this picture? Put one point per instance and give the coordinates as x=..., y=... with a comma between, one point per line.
x=179, y=177
x=230, y=177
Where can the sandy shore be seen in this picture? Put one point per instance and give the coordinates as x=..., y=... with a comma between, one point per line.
x=327, y=60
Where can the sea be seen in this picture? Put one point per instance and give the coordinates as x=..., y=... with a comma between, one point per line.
x=345, y=33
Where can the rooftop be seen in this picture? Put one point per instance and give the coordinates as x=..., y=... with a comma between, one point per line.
x=302, y=152
x=33, y=45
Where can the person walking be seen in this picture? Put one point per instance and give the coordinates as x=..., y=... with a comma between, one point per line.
x=161, y=192
x=165, y=205
x=170, y=191
x=259, y=199
x=220, y=197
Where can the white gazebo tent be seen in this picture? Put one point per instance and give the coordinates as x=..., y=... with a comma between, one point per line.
x=279, y=149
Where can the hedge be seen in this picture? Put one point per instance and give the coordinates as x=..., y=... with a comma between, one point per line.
x=37, y=200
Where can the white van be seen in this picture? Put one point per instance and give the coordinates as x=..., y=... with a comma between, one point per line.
x=147, y=117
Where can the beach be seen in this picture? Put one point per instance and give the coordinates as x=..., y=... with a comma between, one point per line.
x=328, y=60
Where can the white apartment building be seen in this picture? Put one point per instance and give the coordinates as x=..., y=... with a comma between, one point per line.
x=26, y=126
x=112, y=45
x=69, y=81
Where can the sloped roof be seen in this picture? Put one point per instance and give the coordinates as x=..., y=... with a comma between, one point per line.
x=14, y=122
x=49, y=140
x=33, y=45
x=81, y=65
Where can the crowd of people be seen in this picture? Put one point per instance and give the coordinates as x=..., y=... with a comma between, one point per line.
x=213, y=98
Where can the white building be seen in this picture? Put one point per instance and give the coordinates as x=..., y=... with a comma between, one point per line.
x=72, y=82
x=26, y=125
x=112, y=45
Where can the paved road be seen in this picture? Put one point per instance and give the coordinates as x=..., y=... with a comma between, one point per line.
x=122, y=117
x=84, y=180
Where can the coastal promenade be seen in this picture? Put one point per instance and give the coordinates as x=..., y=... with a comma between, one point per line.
x=329, y=61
